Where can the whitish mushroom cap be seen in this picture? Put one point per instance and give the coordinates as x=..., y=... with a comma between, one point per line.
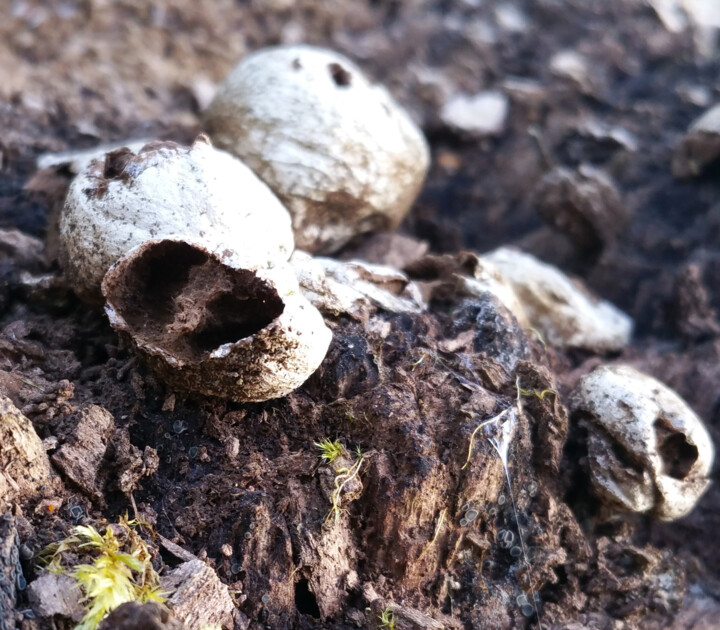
x=700, y=146
x=166, y=190
x=214, y=328
x=648, y=451
x=562, y=310
x=709, y=122
x=338, y=150
x=487, y=278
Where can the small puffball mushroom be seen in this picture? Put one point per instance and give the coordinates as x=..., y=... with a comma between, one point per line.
x=486, y=278
x=583, y=204
x=700, y=147
x=167, y=190
x=355, y=287
x=337, y=150
x=215, y=328
x=562, y=310
x=647, y=450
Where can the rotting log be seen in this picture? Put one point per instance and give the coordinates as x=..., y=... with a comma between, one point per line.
x=11, y=575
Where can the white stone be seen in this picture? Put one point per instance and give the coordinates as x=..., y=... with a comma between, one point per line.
x=337, y=149
x=482, y=114
x=703, y=12
x=647, y=450
x=709, y=122
x=571, y=65
x=671, y=14
x=510, y=18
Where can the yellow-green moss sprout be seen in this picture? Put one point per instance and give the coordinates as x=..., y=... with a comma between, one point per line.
x=343, y=477
x=387, y=620
x=330, y=451
x=120, y=572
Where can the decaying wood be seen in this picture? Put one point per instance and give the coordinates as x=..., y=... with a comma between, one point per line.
x=81, y=457
x=55, y=595
x=134, y=616
x=11, y=575
x=199, y=597
x=24, y=465
x=406, y=618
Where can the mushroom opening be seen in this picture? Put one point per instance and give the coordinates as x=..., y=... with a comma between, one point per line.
x=184, y=300
x=115, y=162
x=341, y=76
x=678, y=455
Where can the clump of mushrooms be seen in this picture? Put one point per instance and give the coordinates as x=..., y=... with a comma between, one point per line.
x=191, y=252
x=191, y=248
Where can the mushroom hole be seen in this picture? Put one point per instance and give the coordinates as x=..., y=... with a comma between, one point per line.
x=305, y=600
x=677, y=453
x=622, y=455
x=341, y=76
x=115, y=162
x=184, y=300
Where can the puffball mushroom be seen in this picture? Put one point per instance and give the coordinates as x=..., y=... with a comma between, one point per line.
x=647, y=450
x=563, y=310
x=167, y=190
x=339, y=152
x=212, y=327
x=190, y=250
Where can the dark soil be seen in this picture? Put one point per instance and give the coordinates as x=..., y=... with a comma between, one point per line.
x=409, y=391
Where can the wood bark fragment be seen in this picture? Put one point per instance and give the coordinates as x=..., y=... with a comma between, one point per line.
x=24, y=465
x=55, y=594
x=81, y=458
x=406, y=618
x=199, y=597
x=10, y=571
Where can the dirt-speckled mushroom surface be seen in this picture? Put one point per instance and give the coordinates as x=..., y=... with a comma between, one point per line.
x=336, y=148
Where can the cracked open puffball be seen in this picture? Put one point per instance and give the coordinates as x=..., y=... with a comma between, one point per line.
x=647, y=450
x=168, y=190
x=336, y=149
x=215, y=328
x=561, y=309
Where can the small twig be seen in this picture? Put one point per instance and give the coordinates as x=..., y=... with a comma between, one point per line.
x=438, y=527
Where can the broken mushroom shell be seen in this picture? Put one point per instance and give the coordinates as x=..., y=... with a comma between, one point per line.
x=338, y=151
x=355, y=287
x=486, y=278
x=700, y=147
x=561, y=309
x=207, y=326
x=647, y=450
x=168, y=190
